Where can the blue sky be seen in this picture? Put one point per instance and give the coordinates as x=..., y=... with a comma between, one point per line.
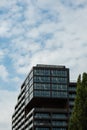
x=38, y=31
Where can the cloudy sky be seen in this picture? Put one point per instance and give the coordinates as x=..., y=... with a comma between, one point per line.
x=38, y=31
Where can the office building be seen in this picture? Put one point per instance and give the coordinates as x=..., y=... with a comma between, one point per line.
x=46, y=99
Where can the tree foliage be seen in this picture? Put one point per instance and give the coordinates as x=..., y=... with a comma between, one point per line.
x=78, y=120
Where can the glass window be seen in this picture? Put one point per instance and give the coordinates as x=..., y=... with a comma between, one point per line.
x=72, y=88
x=27, y=87
x=59, y=94
x=59, y=123
x=31, y=88
x=72, y=95
x=41, y=86
x=42, y=115
x=59, y=87
x=42, y=93
x=42, y=121
x=59, y=80
x=55, y=128
x=40, y=128
x=71, y=103
x=27, y=80
x=58, y=115
x=41, y=79
x=26, y=101
x=27, y=94
x=31, y=75
x=41, y=72
x=59, y=73
x=31, y=95
x=31, y=81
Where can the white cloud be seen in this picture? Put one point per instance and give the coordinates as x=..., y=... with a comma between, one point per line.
x=7, y=4
x=7, y=100
x=33, y=33
x=21, y=54
x=17, y=81
x=48, y=4
x=67, y=34
x=67, y=39
x=3, y=28
x=3, y=73
x=1, y=54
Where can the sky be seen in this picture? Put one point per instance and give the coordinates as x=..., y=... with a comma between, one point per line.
x=38, y=32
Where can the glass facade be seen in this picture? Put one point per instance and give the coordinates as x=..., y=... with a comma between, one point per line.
x=59, y=128
x=59, y=80
x=59, y=87
x=41, y=79
x=42, y=93
x=58, y=115
x=42, y=72
x=59, y=123
x=39, y=86
x=59, y=94
x=42, y=115
x=59, y=73
x=72, y=94
x=46, y=83
x=42, y=128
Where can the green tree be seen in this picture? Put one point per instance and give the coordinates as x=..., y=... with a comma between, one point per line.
x=78, y=120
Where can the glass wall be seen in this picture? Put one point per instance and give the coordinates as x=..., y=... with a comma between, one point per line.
x=59, y=94
x=40, y=86
x=46, y=83
x=58, y=128
x=62, y=73
x=59, y=123
x=59, y=87
x=41, y=79
x=29, y=88
x=41, y=93
x=42, y=72
x=42, y=115
x=59, y=80
x=59, y=115
x=42, y=128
